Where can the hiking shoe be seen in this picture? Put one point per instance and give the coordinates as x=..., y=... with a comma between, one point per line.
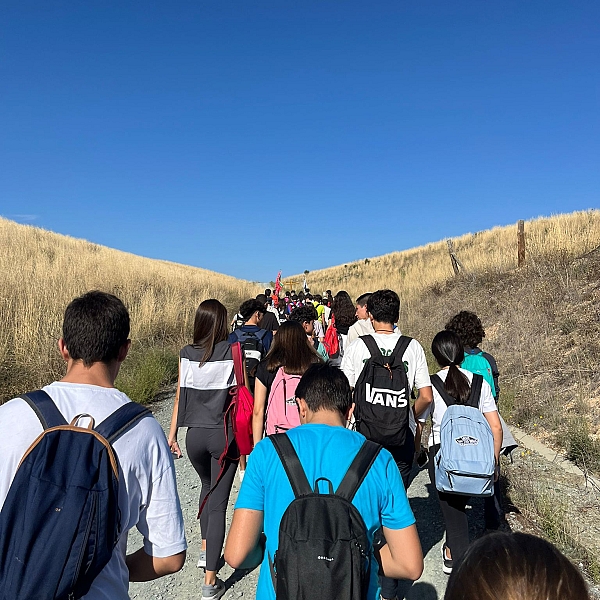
x=447, y=566
x=213, y=592
x=202, y=560
x=241, y=473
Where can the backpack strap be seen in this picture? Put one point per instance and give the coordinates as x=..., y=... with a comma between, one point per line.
x=291, y=464
x=438, y=384
x=116, y=424
x=476, y=384
x=358, y=469
x=44, y=408
x=400, y=348
x=371, y=345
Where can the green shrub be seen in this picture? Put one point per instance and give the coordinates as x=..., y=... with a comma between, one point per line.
x=144, y=375
x=582, y=449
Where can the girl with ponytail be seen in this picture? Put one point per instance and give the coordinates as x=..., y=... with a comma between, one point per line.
x=447, y=349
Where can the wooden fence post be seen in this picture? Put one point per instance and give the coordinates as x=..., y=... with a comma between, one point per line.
x=521, y=242
x=453, y=259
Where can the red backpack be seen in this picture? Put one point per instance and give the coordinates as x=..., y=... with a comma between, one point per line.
x=242, y=404
x=330, y=341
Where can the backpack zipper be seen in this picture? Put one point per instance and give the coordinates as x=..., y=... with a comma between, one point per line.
x=83, y=547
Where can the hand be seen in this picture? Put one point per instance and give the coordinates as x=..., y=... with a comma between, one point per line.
x=177, y=453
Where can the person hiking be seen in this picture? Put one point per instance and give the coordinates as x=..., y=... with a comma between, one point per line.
x=469, y=329
x=94, y=343
x=448, y=352
x=325, y=449
x=254, y=340
x=269, y=322
x=306, y=316
x=344, y=316
x=363, y=324
x=384, y=310
x=289, y=357
x=206, y=380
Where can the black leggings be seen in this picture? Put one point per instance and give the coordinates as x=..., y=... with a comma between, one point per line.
x=204, y=447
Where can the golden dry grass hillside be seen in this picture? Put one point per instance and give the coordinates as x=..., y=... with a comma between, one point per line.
x=42, y=271
x=483, y=253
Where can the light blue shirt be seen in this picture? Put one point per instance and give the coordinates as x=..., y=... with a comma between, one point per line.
x=324, y=451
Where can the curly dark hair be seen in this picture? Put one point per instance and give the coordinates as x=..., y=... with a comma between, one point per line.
x=468, y=327
x=343, y=309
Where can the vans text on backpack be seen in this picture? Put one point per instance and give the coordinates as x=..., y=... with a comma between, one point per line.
x=323, y=550
x=465, y=463
x=60, y=521
x=382, y=395
x=282, y=410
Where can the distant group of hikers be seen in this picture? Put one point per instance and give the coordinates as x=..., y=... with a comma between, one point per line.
x=320, y=403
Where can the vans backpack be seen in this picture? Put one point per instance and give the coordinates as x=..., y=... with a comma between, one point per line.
x=465, y=463
x=282, y=410
x=60, y=521
x=323, y=550
x=476, y=362
x=382, y=394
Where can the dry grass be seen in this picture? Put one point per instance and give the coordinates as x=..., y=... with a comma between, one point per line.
x=43, y=271
x=487, y=252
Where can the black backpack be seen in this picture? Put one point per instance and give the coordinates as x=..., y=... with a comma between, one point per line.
x=60, y=521
x=382, y=395
x=254, y=350
x=324, y=550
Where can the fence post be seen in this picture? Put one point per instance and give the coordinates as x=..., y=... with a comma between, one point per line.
x=521, y=242
x=453, y=258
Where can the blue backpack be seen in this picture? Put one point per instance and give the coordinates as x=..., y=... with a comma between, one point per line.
x=465, y=463
x=60, y=521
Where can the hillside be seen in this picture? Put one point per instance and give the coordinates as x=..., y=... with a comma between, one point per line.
x=42, y=271
x=542, y=324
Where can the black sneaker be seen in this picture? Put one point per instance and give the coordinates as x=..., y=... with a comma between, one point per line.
x=447, y=566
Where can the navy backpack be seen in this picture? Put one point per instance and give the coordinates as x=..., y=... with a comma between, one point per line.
x=60, y=521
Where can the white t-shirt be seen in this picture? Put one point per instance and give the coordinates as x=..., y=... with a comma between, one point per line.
x=361, y=327
x=438, y=407
x=148, y=500
x=357, y=354
x=319, y=330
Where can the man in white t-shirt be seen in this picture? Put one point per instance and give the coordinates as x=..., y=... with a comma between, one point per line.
x=383, y=308
x=94, y=344
x=363, y=324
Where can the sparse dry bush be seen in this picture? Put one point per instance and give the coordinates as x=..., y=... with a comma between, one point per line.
x=43, y=271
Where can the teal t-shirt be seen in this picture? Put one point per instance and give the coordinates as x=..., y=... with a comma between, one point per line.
x=324, y=451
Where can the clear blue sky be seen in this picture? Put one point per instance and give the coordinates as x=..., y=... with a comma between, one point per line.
x=251, y=136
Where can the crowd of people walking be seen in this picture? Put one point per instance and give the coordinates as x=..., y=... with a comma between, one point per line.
x=341, y=400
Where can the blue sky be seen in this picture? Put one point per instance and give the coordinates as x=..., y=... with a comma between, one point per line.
x=247, y=137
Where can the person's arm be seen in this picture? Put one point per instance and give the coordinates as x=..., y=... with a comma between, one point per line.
x=143, y=567
x=258, y=414
x=401, y=557
x=494, y=422
x=173, y=428
x=424, y=399
x=243, y=548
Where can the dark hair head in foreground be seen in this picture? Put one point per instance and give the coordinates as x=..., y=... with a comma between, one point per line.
x=95, y=328
x=468, y=327
x=325, y=387
x=515, y=566
x=384, y=306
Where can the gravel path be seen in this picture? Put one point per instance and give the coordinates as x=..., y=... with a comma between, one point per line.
x=186, y=585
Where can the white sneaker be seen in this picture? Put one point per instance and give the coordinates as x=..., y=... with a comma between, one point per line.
x=241, y=473
x=213, y=592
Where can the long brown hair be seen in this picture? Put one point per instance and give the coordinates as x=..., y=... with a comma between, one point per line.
x=292, y=350
x=210, y=326
x=515, y=566
x=343, y=309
